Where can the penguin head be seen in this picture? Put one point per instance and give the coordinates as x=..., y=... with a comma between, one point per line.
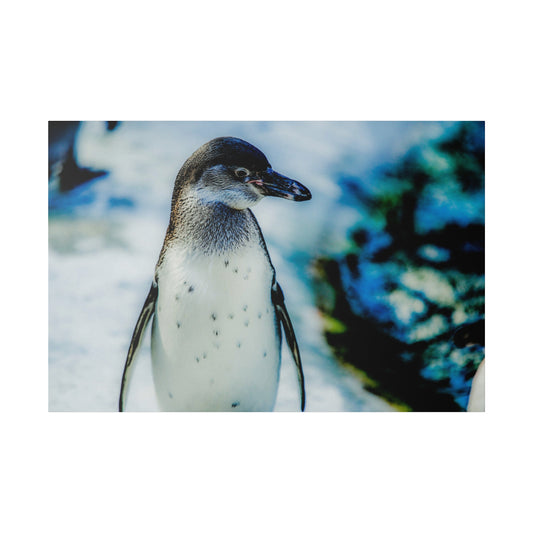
x=234, y=172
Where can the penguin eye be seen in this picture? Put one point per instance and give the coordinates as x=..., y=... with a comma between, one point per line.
x=242, y=172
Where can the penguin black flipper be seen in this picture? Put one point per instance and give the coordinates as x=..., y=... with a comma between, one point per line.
x=136, y=340
x=279, y=303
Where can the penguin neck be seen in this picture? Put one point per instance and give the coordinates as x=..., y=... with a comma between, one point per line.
x=211, y=228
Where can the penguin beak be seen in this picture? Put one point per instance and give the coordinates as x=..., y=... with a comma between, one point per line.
x=273, y=184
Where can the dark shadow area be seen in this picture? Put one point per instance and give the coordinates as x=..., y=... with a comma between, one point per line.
x=62, y=158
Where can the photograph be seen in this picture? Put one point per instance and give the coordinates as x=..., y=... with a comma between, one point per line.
x=326, y=266
x=260, y=298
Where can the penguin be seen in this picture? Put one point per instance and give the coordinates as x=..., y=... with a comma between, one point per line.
x=216, y=304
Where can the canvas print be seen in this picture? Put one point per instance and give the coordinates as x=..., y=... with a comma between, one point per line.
x=266, y=266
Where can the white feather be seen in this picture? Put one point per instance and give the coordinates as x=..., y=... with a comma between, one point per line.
x=215, y=337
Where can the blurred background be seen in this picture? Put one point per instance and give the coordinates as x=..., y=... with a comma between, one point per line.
x=383, y=270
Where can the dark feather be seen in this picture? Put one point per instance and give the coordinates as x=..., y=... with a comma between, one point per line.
x=138, y=333
x=281, y=310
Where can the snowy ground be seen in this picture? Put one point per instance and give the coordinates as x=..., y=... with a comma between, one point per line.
x=104, y=239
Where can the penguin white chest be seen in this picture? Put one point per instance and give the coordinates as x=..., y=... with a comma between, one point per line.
x=215, y=336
